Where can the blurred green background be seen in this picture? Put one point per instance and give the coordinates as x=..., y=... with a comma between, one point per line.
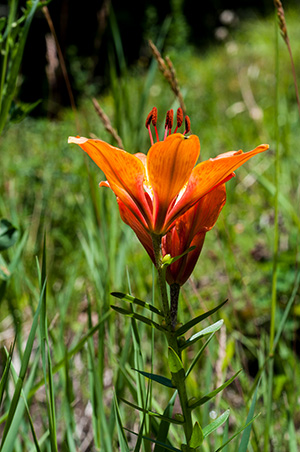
x=227, y=73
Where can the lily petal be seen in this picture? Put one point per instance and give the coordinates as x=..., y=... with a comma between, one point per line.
x=208, y=175
x=170, y=164
x=143, y=236
x=125, y=174
x=189, y=230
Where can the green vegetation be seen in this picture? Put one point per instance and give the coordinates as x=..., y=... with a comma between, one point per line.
x=73, y=250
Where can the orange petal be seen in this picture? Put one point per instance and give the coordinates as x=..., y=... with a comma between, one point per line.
x=170, y=164
x=125, y=174
x=143, y=236
x=208, y=175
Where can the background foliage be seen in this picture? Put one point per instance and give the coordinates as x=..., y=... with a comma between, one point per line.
x=49, y=192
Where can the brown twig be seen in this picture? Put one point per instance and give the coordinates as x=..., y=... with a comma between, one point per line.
x=284, y=34
x=168, y=71
x=107, y=124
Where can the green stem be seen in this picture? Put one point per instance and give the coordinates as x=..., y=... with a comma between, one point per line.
x=170, y=317
x=175, y=289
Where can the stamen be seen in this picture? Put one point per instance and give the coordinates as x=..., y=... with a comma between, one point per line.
x=187, y=125
x=154, y=122
x=179, y=118
x=152, y=117
x=169, y=122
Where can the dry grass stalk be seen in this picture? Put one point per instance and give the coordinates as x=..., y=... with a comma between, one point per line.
x=107, y=124
x=168, y=71
x=284, y=34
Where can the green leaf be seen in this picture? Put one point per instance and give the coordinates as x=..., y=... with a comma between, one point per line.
x=153, y=413
x=8, y=234
x=159, y=443
x=210, y=329
x=164, y=427
x=198, y=355
x=18, y=111
x=237, y=434
x=184, y=328
x=142, y=303
x=197, y=436
x=158, y=378
x=213, y=393
x=139, y=317
x=121, y=436
x=243, y=447
x=24, y=366
x=216, y=423
x=175, y=363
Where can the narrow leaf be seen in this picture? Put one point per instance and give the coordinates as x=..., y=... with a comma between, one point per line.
x=152, y=413
x=216, y=423
x=159, y=443
x=210, y=329
x=184, y=328
x=158, y=378
x=139, y=317
x=236, y=434
x=243, y=447
x=137, y=301
x=121, y=436
x=214, y=393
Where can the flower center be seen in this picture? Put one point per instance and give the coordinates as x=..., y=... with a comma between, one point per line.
x=152, y=119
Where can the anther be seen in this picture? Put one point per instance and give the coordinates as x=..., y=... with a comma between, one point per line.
x=187, y=125
x=169, y=122
x=179, y=119
x=152, y=118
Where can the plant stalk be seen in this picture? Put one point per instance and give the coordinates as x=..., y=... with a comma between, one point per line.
x=170, y=317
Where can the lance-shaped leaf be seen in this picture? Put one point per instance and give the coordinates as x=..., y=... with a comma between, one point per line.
x=243, y=447
x=210, y=329
x=122, y=438
x=212, y=394
x=175, y=363
x=130, y=299
x=237, y=433
x=139, y=317
x=158, y=443
x=197, y=436
x=198, y=355
x=184, y=328
x=216, y=423
x=153, y=413
x=158, y=378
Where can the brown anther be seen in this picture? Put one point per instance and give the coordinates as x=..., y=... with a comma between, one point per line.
x=179, y=117
x=187, y=124
x=169, y=119
x=154, y=116
x=148, y=120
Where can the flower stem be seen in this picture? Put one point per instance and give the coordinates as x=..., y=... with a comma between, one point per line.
x=175, y=289
x=170, y=317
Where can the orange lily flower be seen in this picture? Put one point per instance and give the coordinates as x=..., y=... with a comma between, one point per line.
x=155, y=190
x=189, y=230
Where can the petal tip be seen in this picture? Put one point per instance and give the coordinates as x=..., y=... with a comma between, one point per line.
x=77, y=140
